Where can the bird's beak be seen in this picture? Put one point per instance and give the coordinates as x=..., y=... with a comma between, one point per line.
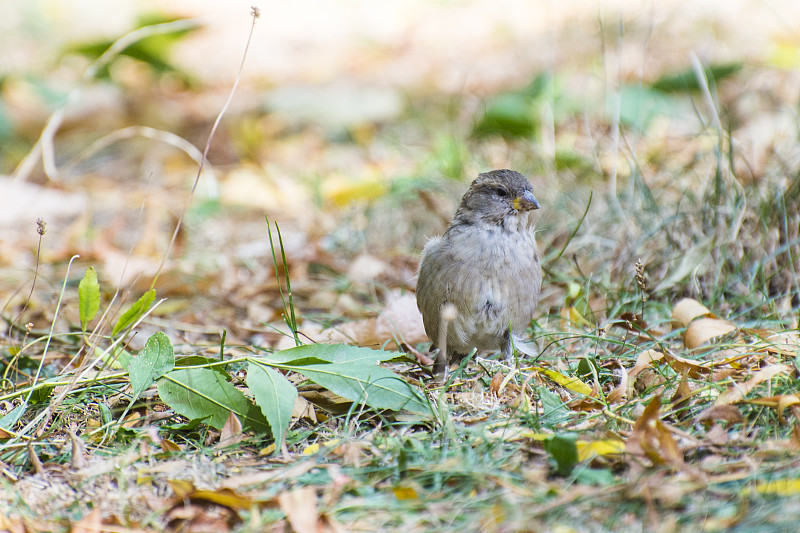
x=526, y=202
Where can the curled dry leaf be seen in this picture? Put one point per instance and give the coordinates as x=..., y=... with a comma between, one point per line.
x=681, y=365
x=231, y=432
x=494, y=386
x=780, y=402
x=686, y=310
x=739, y=390
x=651, y=437
x=704, y=330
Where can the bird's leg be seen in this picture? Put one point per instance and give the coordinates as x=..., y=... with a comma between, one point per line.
x=440, y=366
x=508, y=348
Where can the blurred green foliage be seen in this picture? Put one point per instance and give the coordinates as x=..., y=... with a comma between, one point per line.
x=153, y=51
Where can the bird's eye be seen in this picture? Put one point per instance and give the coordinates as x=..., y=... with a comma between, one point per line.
x=501, y=192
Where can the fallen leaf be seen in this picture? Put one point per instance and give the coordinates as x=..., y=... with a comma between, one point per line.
x=594, y=448
x=300, y=508
x=651, y=437
x=405, y=493
x=686, y=310
x=570, y=382
x=621, y=390
x=705, y=330
x=739, y=390
x=780, y=402
x=728, y=413
x=785, y=343
x=494, y=385
x=231, y=432
x=781, y=487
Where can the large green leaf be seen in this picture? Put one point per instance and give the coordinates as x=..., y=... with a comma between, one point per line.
x=275, y=396
x=375, y=386
x=330, y=353
x=156, y=359
x=203, y=393
x=88, y=297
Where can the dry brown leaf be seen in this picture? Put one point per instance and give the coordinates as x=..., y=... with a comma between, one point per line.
x=494, y=386
x=401, y=320
x=785, y=343
x=620, y=392
x=647, y=358
x=231, y=432
x=38, y=467
x=651, y=437
x=688, y=309
x=728, y=413
x=300, y=508
x=366, y=268
x=704, y=330
x=168, y=446
x=78, y=459
x=780, y=402
x=682, y=394
x=739, y=390
x=13, y=525
x=304, y=409
x=644, y=360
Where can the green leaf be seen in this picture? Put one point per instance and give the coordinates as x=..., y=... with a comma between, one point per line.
x=686, y=80
x=640, y=105
x=361, y=382
x=518, y=113
x=201, y=392
x=554, y=411
x=135, y=311
x=275, y=396
x=153, y=50
x=12, y=417
x=564, y=449
x=156, y=359
x=507, y=115
x=41, y=394
x=331, y=353
x=89, y=297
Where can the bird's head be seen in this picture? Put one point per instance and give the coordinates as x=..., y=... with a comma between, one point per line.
x=497, y=197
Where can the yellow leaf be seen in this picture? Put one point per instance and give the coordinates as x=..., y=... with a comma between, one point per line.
x=785, y=55
x=311, y=449
x=589, y=449
x=405, y=493
x=342, y=191
x=782, y=487
x=572, y=383
x=536, y=436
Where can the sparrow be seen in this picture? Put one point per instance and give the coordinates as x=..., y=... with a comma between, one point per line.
x=486, y=267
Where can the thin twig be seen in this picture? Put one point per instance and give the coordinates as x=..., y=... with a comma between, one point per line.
x=255, y=14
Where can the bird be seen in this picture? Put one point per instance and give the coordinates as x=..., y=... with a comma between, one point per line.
x=479, y=283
